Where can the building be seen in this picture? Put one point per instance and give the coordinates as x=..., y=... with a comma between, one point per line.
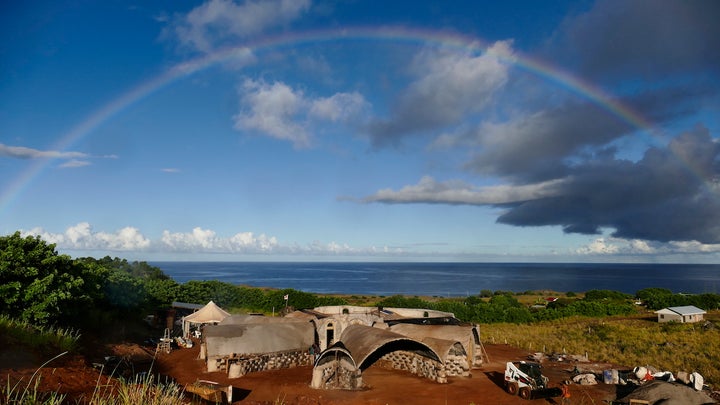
x=685, y=314
x=342, y=341
x=242, y=344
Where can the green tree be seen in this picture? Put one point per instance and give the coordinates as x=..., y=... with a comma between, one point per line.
x=655, y=298
x=597, y=295
x=39, y=285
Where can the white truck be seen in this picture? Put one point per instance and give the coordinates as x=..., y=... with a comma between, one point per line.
x=525, y=379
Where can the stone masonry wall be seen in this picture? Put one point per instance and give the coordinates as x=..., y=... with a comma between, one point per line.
x=416, y=364
x=457, y=366
x=240, y=364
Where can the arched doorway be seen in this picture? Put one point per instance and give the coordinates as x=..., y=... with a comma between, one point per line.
x=329, y=335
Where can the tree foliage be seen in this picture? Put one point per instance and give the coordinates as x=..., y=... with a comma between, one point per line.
x=40, y=286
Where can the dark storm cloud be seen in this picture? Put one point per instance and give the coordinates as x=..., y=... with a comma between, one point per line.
x=644, y=37
x=670, y=195
x=541, y=145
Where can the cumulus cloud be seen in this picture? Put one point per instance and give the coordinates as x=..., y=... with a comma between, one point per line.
x=339, y=107
x=612, y=246
x=279, y=111
x=272, y=109
x=82, y=237
x=207, y=241
x=449, y=86
x=220, y=22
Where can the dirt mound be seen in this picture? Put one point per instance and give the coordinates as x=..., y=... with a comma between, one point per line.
x=665, y=393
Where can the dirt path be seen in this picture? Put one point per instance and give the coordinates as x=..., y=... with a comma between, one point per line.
x=74, y=376
x=291, y=386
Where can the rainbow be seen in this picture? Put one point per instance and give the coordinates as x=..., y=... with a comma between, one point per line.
x=439, y=39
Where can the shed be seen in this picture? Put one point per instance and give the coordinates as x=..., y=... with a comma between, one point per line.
x=684, y=314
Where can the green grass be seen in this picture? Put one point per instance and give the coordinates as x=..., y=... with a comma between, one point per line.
x=141, y=390
x=138, y=390
x=624, y=341
x=45, y=339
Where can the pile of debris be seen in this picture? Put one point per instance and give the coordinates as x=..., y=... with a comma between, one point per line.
x=646, y=384
x=663, y=392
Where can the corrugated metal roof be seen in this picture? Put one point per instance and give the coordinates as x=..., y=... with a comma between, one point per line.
x=687, y=310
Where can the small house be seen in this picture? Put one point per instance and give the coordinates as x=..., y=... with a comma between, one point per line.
x=685, y=314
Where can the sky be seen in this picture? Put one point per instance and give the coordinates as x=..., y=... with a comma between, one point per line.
x=293, y=130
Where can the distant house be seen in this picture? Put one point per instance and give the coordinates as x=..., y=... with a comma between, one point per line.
x=686, y=314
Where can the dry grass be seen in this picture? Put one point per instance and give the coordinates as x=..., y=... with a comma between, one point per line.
x=626, y=341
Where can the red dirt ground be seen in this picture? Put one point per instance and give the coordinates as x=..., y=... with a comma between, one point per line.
x=75, y=377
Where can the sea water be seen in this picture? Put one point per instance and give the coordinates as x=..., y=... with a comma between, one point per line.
x=450, y=279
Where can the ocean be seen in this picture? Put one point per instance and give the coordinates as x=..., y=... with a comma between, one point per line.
x=450, y=279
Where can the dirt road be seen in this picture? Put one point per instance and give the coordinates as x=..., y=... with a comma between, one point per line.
x=291, y=386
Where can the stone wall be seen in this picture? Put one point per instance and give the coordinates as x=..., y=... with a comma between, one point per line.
x=457, y=366
x=415, y=364
x=238, y=365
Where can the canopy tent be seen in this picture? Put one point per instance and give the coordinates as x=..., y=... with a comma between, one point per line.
x=210, y=313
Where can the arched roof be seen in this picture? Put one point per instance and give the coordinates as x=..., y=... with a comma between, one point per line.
x=338, y=350
x=367, y=344
x=461, y=333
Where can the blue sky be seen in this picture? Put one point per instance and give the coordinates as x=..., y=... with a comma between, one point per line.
x=355, y=130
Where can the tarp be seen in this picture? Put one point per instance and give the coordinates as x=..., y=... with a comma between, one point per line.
x=258, y=338
x=210, y=313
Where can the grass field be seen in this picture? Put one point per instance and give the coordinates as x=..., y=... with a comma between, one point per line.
x=624, y=341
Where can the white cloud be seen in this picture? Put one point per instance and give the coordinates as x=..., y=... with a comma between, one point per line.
x=271, y=109
x=457, y=83
x=217, y=22
x=449, y=87
x=339, y=107
x=600, y=246
x=428, y=190
x=639, y=247
x=129, y=240
x=204, y=240
x=82, y=237
x=72, y=159
x=22, y=152
x=695, y=247
x=279, y=111
x=75, y=163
